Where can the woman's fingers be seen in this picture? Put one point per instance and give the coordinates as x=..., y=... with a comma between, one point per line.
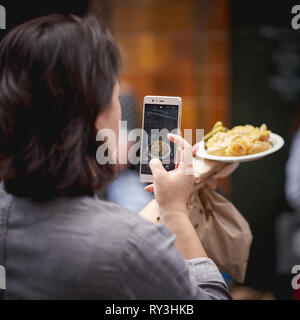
x=195, y=149
x=157, y=170
x=178, y=157
x=150, y=188
x=185, y=150
x=156, y=167
x=184, y=158
x=211, y=183
x=179, y=141
x=179, y=153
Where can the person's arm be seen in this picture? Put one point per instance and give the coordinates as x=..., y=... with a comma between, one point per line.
x=187, y=241
x=172, y=190
x=181, y=272
x=152, y=268
x=292, y=186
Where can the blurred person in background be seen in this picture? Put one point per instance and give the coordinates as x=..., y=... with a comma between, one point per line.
x=292, y=190
x=127, y=190
x=292, y=187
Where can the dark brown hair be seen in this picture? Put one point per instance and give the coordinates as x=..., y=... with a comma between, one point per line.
x=57, y=73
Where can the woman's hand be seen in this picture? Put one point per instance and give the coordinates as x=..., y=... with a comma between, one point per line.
x=173, y=188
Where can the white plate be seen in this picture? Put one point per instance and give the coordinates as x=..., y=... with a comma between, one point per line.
x=275, y=139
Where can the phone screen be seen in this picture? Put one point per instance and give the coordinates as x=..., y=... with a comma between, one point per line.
x=159, y=120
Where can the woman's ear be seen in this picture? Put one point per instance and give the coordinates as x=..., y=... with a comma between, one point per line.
x=99, y=121
x=111, y=116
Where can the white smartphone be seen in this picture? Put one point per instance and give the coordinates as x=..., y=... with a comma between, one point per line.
x=161, y=115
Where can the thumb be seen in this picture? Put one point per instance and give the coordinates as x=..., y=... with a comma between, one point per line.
x=156, y=167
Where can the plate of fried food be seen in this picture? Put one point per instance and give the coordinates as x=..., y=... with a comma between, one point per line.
x=241, y=143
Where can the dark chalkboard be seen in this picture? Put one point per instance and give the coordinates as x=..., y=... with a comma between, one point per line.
x=265, y=89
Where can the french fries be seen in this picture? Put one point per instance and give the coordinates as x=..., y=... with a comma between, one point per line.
x=239, y=141
x=218, y=127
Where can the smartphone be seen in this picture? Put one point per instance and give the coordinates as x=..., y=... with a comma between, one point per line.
x=161, y=115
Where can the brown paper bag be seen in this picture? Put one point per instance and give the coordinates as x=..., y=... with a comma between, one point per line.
x=224, y=233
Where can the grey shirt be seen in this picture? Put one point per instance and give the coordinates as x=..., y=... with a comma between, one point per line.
x=84, y=248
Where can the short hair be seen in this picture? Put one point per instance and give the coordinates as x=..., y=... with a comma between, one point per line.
x=57, y=74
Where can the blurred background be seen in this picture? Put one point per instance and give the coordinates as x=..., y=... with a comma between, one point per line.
x=234, y=61
x=230, y=60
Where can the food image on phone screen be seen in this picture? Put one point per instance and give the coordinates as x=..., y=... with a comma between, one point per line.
x=159, y=120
